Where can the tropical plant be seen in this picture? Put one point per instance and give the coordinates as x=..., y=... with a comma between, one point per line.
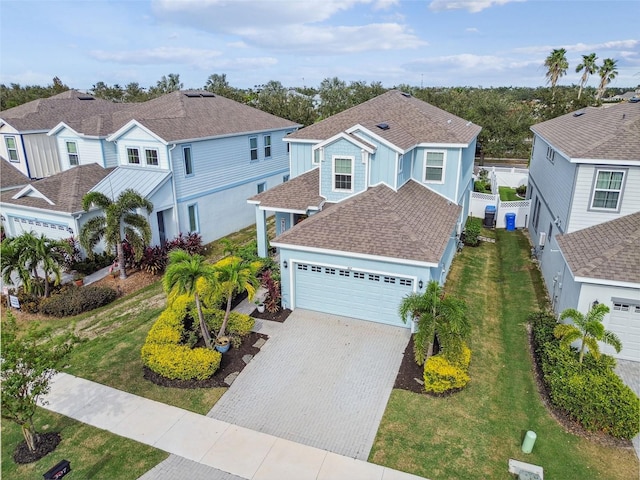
x=607, y=73
x=119, y=216
x=234, y=276
x=183, y=274
x=587, y=67
x=588, y=329
x=435, y=314
x=272, y=284
x=557, y=66
x=28, y=364
x=12, y=265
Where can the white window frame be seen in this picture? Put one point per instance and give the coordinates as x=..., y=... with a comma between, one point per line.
x=76, y=162
x=131, y=149
x=253, y=149
x=146, y=158
x=316, y=157
x=596, y=189
x=266, y=142
x=333, y=173
x=187, y=160
x=13, y=149
x=193, y=207
x=551, y=154
x=444, y=167
x=400, y=163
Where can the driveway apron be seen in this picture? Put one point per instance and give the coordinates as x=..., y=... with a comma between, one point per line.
x=322, y=380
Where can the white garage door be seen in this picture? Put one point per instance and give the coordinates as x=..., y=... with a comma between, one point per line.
x=624, y=321
x=351, y=293
x=56, y=231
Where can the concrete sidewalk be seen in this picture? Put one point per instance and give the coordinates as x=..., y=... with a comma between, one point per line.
x=239, y=451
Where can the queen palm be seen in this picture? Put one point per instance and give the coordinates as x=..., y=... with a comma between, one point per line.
x=234, y=276
x=183, y=273
x=587, y=67
x=557, y=66
x=438, y=314
x=120, y=216
x=607, y=73
x=588, y=329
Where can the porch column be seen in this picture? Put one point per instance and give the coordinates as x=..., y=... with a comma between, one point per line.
x=261, y=231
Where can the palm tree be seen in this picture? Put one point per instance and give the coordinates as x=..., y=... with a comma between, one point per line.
x=587, y=67
x=588, y=329
x=557, y=66
x=183, y=273
x=235, y=276
x=11, y=263
x=435, y=314
x=119, y=216
x=607, y=73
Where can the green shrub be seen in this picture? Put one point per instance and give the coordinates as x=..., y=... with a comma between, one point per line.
x=239, y=323
x=521, y=190
x=590, y=393
x=472, y=231
x=442, y=376
x=482, y=186
x=74, y=301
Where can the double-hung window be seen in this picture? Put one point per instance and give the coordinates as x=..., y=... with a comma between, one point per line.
x=12, y=149
x=253, y=148
x=151, y=155
x=551, y=154
x=343, y=174
x=133, y=154
x=72, y=153
x=607, y=189
x=434, y=167
x=188, y=162
x=267, y=146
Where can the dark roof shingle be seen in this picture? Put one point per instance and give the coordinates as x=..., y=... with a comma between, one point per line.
x=10, y=176
x=299, y=193
x=412, y=224
x=607, y=251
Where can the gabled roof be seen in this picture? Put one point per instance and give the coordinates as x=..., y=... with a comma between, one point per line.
x=10, y=176
x=413, y=224
x=61, y=192
x=298, y=194
x=194, y=114
x=410, y=122
x=144, y=181
x=71, y=107
x=607, y=251
x=605, y=133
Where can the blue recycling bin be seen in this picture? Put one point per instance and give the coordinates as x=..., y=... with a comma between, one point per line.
x=510, y=220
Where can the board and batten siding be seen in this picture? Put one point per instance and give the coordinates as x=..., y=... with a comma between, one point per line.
x=582, y=216
x=301, y=158
x=342, y=149
x=42, y=154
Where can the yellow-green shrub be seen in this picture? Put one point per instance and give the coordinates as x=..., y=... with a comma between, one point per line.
x=460, y=357
x=181, y=362
x=239, y=323
x=441, y=376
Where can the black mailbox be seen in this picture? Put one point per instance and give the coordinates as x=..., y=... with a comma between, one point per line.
x=58, y=471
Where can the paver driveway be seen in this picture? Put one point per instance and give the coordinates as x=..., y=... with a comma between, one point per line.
x=321, y=380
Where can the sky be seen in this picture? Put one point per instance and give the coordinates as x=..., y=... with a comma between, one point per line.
x=430, y=43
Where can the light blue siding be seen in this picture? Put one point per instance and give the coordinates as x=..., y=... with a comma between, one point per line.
x=452, y=170
x=109, y=154
x=440, y=272
x=283, y=222
x=344, y=149
x=301, y=158
x=404, y=174
x=382, y=168
x=466, y=172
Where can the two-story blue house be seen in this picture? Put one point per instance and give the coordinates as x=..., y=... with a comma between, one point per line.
x=378, y=196
x=584, y=185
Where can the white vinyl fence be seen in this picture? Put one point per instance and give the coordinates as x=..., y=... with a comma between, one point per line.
x=521, y=208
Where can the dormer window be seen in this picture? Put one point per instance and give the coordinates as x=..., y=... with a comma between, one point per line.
x=72, y=153
x=343, y=174
x=133, y=154
x=151, y=155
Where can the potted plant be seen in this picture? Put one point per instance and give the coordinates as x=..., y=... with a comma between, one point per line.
x=78, y=279
x=259, y=306
x=222, y=344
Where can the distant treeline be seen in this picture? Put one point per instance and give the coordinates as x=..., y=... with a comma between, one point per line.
x=505, y=113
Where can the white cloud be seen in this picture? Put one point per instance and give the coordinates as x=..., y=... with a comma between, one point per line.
x=583, y=47
x=472, y=6
x=461, y=62
x=472, y=30
x=239, y=44
x=160, y=55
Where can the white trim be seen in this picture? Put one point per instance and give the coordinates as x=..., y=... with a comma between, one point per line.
x=126, y=152
x=333, y=173
x=386, y=143
x=361, y=256
x=595, y=188
x=128, y=126
x=77, y=154
x=349, y=138
x=28, y=189
x=146, y=160
x=602, y=281
x=196, y=217
x=300, y=140
x=612, y=162
x=285, y=210
x=320, y=150
x=443, y=145
x=459, y=175
x=424, y=167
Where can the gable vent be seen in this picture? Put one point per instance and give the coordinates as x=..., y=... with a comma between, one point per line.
x=383, y=126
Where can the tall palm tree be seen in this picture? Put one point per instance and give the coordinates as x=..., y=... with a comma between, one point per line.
x=438, y=314
x=588, y=329
x=557, y=66
x=183, y=273
x=12, y=264
x=119, y=217
x=607, y=73
x=235, y=276
x=587, y=67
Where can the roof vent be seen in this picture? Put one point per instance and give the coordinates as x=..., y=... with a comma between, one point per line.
x=192, y=94
x=383, y=126
x=405, y=94
x=207, y=94
x=85, y=97
x=579, y=113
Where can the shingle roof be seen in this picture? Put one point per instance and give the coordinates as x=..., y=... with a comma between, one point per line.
x=186, y=115
x=10, y=176
x=299, y=193
x=46, y=113
x=607, y=251
x=609, y=133
x=64, y=189
x=413, y=223
x=411, y=122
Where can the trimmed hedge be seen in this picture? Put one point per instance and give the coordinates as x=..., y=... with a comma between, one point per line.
x=590, y=393
x=74, y=301
x=443, y=373
x=239, y=323
x=472, y=231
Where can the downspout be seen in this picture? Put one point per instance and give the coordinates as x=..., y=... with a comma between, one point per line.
x=24, y=154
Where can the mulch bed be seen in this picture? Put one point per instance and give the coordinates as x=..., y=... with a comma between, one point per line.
x=279, y=316
x=409, y=371
x=231, y=362
x=47, y=443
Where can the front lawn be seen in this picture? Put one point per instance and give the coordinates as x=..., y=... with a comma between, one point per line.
x=473, y=433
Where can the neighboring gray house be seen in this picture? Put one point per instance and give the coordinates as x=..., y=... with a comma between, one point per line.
x=584, y=184
x=23, y=129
